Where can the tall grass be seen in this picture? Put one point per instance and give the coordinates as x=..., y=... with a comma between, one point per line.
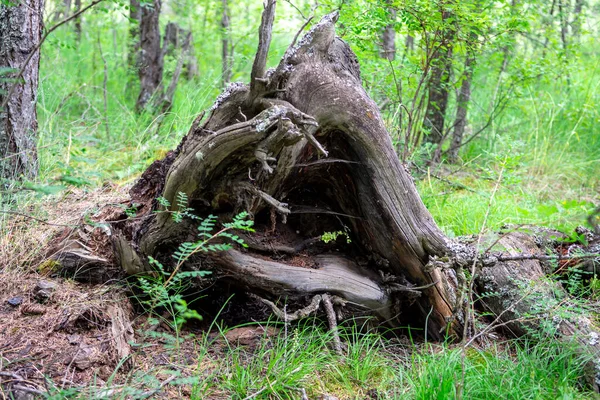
x=373, y=366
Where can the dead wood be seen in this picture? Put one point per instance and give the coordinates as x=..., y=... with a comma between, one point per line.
x=304, y=150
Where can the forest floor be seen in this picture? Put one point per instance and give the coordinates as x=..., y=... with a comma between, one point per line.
x=64, y=339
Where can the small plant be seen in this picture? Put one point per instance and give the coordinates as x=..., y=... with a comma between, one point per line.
x=332, y=236
x=183, y=211
x=164, y=289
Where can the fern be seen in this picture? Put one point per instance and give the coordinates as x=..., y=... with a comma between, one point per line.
x=164, y=288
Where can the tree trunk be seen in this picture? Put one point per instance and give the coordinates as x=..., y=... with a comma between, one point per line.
x=151, y=56
x=166, y=100
x=20, y=31
x=410, y=43
x=563, y=15
x=190, y=66
x=62, y=11
x=135, y=16
x=77, y=23
x=576, y=23
x=305, y=151
x=527, y=303
x=388, y=37
x=225, y=46
x=438, y=84
x=464, y=96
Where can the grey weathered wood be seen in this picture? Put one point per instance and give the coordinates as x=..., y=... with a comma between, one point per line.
x=336, y=275
x=258, y=152
x=527, y=302
x=320, y=93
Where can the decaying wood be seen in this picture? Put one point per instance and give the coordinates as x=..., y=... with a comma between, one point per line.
x=304, y=150
x=527, y=302
x=122, y=332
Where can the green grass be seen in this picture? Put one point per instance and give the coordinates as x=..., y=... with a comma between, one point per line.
x=546, y=146
x=281, y=366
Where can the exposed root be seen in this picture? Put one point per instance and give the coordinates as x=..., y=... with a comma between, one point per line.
x=289, y=317
x=332, y=319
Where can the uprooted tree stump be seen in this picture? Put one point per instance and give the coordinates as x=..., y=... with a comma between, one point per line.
x=304, y=150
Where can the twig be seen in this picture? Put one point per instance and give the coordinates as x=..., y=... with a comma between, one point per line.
x=36, y=219
x=297, y=9
x=544, y=257
x=11, y=375
x=264, y=41
x=37, y=47
x=299, y=32
x=150, y=393
x=28, y=389
x=289, y=317
x=260, y=391
x=332, y=319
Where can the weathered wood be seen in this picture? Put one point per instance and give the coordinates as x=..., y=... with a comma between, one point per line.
x=244, y=157
x=527, y=302
x=308, y=153
x=335, y=274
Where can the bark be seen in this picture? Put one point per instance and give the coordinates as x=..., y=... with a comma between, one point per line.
x=410, y=43
x=528, y=303
x=135, y=16
x=151, y=54
x=577, y=19
x=190, y=66
x=438, y=85
x=388, y=37
x=304, y=150
x=564, y=27
x=166, y=101
x=77, y=23
x=62, y=11
x=226, y=61
x=464, y=96
x=171, y=39
x=20, y=31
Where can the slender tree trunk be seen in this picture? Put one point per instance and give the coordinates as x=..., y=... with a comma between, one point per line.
x=135, y=15
x=225, y=46
x=576, y=24
x=409, y=43
x=439, y=92
x=388, y=37
x=63, y=10
x=77, y=23
x=564, y=27
x=21, y=28
x=462, y=107
x=191, y=65
x=151, y=60
x=548, y=29
x=171, y=39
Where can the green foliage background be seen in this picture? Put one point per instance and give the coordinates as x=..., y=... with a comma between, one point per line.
x=545, y=140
